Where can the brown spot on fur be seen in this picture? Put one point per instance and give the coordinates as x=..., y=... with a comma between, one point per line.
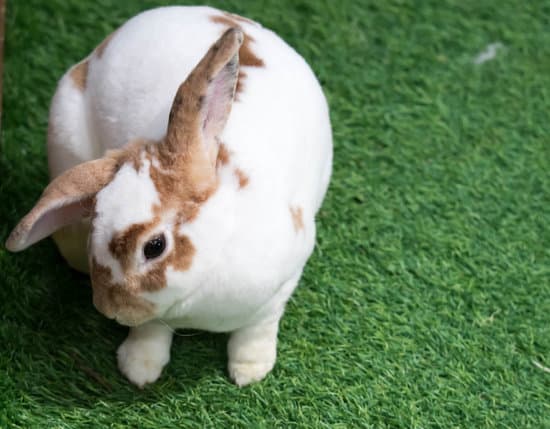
x=240, y=18
x=242, y=177
x=183, y=252
x=247, y=57
x=103, y=45
x=79, y=75
x=123, y=247
x=240, y=85
x=114, y=300
x=180, y=259
x=123, y=244
x=133, y=152
x=185, y=194
x=297, y=218
x=223, y=155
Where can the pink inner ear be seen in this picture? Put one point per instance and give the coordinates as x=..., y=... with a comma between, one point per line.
x=55, y=218
x=214, y=103
x=218, y=99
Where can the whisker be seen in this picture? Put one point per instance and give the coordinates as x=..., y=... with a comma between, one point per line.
x=194, y=334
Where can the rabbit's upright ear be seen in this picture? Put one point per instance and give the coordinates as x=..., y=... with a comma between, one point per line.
x=203, y=102
x=67, y=198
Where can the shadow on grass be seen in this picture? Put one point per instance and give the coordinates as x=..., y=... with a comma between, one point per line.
x=61, y=351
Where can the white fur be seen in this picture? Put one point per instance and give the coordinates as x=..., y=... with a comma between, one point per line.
x=257, y=341
x=249, y=257
x=128, y=199
x=144, y=353
x=69, y=138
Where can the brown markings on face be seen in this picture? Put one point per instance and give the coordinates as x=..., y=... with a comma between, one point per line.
x=113, y=299
x=297, y=218
x=180, y=259
x=100, y=49
x=241, y=177
x=183, y=252
x=247, y=57
x=176, y=194
x=79, y=75
x=122, y=246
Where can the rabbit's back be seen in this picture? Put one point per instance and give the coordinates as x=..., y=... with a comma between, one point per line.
x=278, y=134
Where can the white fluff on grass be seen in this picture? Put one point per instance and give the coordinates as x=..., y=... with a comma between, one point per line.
x=489, y=53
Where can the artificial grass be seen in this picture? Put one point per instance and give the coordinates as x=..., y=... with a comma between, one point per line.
x=427, y=300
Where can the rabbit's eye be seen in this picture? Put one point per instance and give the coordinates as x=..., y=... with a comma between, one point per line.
x=154, y=247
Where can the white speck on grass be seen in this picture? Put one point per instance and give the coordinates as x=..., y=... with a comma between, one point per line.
x=489, y=53
x=541, y=367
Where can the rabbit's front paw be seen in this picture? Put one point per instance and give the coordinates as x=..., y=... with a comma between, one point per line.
x=142, y=357
x=252, y=353
x=243, y=373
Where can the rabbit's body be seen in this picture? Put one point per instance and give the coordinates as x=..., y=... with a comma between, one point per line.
x=254, y=233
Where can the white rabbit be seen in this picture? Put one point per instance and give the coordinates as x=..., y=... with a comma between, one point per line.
x=189, y=212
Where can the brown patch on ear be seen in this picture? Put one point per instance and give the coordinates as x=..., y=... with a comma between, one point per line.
x=189, y=130
x=185, y=175
x=247, y=57
x=72, y=191
x=100, y=49
x=79, y=75
x=242, y=177
x=297, y=218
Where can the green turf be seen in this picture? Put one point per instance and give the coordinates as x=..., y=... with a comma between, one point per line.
x=427, y=300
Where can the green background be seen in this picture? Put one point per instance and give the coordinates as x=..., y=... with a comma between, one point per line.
x=427, y=301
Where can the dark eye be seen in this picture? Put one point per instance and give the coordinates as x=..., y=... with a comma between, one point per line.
x=154, y=247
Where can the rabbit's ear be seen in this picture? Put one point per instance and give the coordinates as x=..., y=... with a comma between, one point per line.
x=67, y=199
x=203, y=102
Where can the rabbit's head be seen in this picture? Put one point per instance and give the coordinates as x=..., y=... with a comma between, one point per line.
x=139, y=197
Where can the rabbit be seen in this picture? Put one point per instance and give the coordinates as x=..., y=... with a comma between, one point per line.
x=189, y=154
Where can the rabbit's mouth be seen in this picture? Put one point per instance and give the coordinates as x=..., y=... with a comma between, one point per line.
x=130, y=322
x=116, y=301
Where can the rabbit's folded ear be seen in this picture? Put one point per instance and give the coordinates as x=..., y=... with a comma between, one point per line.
x=67, y=199
x=203, y=102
